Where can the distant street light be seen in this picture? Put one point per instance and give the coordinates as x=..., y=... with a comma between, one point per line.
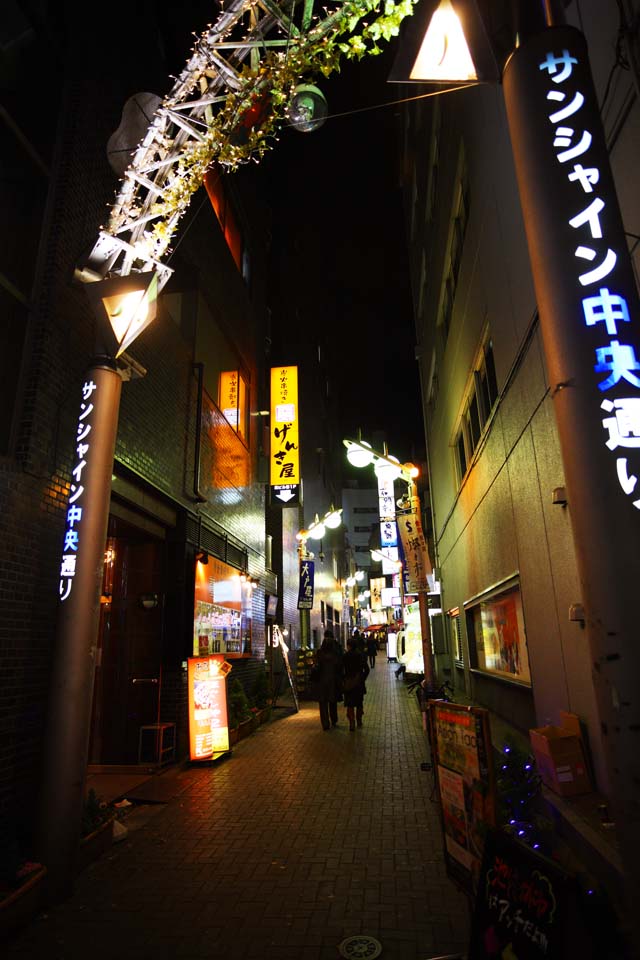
x=388, y=469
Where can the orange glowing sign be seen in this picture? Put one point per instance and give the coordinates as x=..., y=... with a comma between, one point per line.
x=285, y=453
x=233, y=399
x=208, y=724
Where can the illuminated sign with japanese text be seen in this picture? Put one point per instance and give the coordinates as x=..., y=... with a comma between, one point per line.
x=77, y=492
x=305, y=589
x=416, y=554
x=589, y=309
x=232, y=402
x=208, y=726
x=284, y=469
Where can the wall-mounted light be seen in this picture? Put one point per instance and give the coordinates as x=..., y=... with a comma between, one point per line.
x=202, y=557
x=148, y=600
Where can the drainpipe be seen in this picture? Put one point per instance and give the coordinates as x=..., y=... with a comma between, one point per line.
x=198, y=496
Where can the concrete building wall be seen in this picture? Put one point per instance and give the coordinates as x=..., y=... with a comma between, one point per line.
x=498, y=520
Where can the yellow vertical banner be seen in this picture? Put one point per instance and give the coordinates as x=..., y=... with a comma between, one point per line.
x=285, y=454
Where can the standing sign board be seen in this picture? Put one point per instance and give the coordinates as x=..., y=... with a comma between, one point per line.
x=525, y=906
x=208, y=724
x=284, y=469
x=461, y=755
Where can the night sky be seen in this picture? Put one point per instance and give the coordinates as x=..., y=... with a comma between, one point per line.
x=337, y=201
x=337, y=206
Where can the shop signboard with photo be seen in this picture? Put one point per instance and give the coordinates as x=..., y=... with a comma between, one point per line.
x=461, y=755
x=208, y=724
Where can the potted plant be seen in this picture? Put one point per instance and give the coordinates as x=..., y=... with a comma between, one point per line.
x=261, y=695
x=240, y=717
x=96, y=829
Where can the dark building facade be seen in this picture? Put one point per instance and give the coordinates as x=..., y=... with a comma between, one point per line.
x=185, y=475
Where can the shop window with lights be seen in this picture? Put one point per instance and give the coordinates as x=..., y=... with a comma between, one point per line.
x=222, y=610
x=480, y=400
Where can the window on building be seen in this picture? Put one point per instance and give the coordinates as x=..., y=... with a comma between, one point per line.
x=222, y=610
x=455, y=633
x=460, y=218
x=479, y=403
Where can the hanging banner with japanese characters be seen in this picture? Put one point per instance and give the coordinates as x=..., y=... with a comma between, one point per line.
x=285, y=453
x=376, y=585
x=586, y=293
x=305, y=588
x=416, y=553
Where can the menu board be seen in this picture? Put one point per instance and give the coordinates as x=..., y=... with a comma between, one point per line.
x=523, y=906
x=208, y=725
x=461, y=754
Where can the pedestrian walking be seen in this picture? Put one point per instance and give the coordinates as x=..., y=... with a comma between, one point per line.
x=355, y=672
x=372, y=650
x=328, y=681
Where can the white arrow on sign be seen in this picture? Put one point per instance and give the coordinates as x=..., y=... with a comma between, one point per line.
x=285, y=495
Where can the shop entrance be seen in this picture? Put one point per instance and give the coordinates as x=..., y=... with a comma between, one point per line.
x=128, y=676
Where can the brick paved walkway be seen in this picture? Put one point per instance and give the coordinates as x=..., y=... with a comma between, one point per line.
x=299, y=839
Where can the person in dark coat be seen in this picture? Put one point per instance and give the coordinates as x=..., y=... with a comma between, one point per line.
x=372, y=649
x=329, y=681
x=355, y=671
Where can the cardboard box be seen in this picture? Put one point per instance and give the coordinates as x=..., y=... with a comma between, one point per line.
x=560, y=758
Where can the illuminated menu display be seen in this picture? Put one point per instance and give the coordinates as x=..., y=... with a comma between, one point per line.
x=208, y=725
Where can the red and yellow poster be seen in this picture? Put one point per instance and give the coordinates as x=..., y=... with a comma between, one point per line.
x=208, y=725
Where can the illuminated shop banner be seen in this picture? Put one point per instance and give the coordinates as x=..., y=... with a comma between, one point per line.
x=284, y=455
x=589, y=309
x=232, y=401
x=377, y=585
x=386, y=499
x=208, y=724
x=390, y=560
x=78, y=493
x=416, y=553
x=305, y=588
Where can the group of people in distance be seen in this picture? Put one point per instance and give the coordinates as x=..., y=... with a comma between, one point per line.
x=341, y=675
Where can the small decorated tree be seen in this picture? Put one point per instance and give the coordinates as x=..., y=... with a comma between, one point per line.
x=518, y=788
x=260, y=691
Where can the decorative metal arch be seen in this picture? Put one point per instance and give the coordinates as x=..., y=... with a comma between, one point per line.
x=225, y=107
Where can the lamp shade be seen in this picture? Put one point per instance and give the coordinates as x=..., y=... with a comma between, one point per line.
x=359, y=453
x=316, y=531
x=124, y=307
x=387, y=468
x=333, y=519
x=444, y=41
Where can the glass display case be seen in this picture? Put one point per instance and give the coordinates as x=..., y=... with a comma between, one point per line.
x=222, y=611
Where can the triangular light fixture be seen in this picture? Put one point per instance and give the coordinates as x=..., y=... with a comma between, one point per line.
x=444, y=53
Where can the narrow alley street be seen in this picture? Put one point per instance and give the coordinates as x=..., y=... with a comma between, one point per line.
x=300, y=839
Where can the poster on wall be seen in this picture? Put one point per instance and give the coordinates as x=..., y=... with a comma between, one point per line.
x=208, y=724
x=500, y=641
x=461, y=755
